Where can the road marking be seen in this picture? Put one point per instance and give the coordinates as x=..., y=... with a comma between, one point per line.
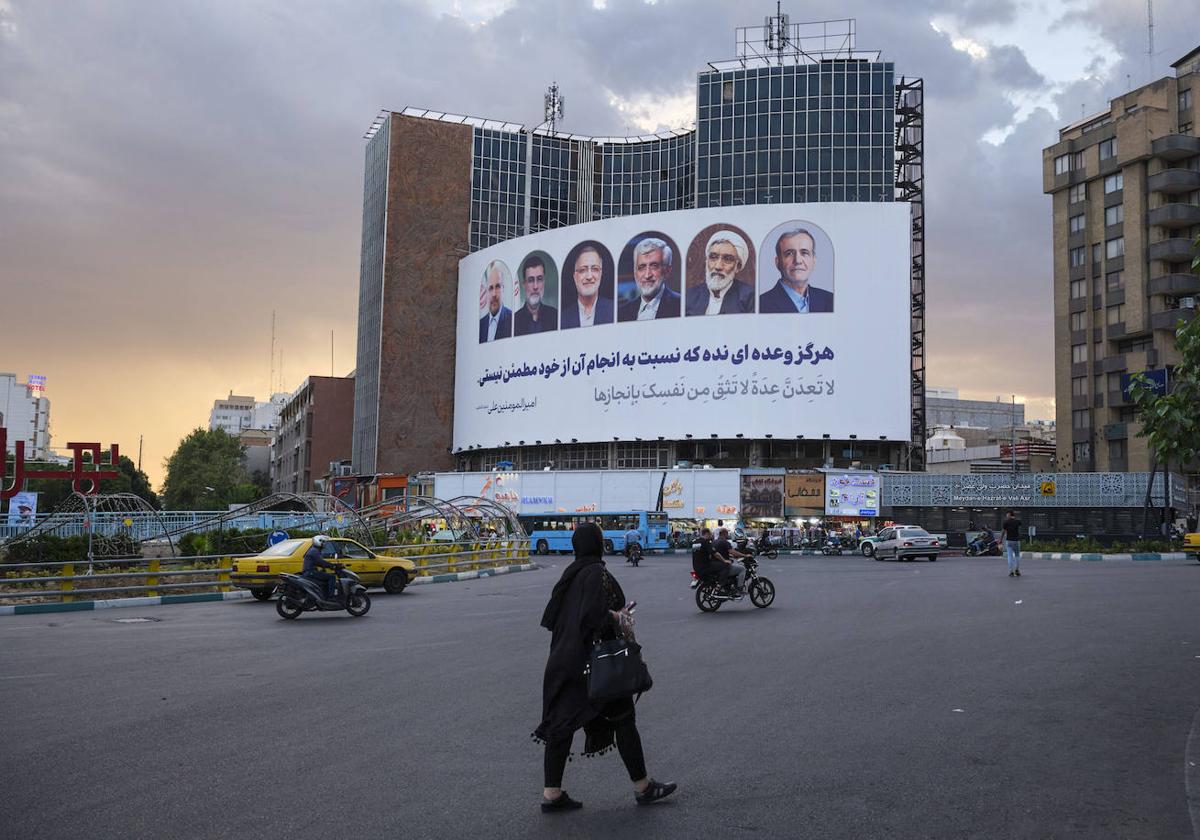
x=26, y=676
x=1191, y=774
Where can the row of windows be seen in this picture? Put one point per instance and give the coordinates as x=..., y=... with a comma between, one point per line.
x=824, y=79
x=1113, y=248
x=1113, y=215
x=1113, y=281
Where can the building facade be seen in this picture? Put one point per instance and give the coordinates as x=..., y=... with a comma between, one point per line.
x=25, y=412
x=235, y=414
x=315, y=427
x=815, y=120
x=1125, y=187
x=987, y=414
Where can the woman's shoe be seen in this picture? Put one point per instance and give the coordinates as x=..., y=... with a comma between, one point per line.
x=654, y=792
x=562, y=803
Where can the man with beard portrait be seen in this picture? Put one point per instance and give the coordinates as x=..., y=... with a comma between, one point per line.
x=534, y=316
x=722, y=293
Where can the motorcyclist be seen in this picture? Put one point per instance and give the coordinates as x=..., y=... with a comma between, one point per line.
x=314, y=561
x=723, y=547
x=706, y=561
x=633, y=535
x=984, y=539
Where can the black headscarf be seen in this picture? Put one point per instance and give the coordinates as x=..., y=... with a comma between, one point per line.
x=588, y=542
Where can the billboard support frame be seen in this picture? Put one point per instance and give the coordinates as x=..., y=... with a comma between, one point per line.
x=910, y=186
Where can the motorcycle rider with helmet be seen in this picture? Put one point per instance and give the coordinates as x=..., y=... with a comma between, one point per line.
x=314, y=561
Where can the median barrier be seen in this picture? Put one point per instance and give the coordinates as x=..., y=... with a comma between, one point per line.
x=1177, y=557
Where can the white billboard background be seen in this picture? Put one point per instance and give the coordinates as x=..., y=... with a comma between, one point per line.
x=687, y=494
x=785, y=375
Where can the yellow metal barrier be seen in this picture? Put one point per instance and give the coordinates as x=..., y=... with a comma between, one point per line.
x=65, y=586
x=152, y=581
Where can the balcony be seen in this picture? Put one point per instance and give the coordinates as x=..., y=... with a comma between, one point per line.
x=1175, y=215
x=1176, y=249
x=1175, y=146
x=1174, y=284
x=1169, y=319
x=1173, y=181
x=1116, y=431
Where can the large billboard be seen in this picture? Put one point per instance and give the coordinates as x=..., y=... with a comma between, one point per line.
x=613, y=329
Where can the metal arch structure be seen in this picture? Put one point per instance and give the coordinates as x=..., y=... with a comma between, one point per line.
x=106, y=539
x=320, y=507
x=467, y=515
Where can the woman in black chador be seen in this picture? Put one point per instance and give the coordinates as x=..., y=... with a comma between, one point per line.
x=587, y=604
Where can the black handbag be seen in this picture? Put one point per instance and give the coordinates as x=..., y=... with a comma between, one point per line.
x=616, y=670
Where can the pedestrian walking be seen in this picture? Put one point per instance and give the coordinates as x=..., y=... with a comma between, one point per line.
x=1012, y=543
x=587, y=604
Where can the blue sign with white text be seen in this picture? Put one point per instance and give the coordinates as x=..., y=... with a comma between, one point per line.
x=1157, y=380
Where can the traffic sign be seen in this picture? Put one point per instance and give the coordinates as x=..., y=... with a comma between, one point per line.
x=276, y=536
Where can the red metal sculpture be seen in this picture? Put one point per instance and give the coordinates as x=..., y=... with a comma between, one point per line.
x=78, y=475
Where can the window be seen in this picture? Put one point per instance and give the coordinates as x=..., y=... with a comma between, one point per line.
x=1081, y=419
x=1114, y=314
x=1135, y=345
x=1114, y=215
x=1112, y=183
x=1078, y=320
x=1113, y=382
x=1114, y=280
x=1077, y=255
x=1078, y=289
x=1185, y=99
x=1075, y=223
x=1114, y=247
x=1116, y=451
x=1077, y=161
x=1078, y=353
x=1077, y=193
x=1082, y=453
x=1062, y=164
x=1079, y=386
x=1108, y=148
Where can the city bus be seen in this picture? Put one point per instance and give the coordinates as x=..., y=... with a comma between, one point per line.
x=552, y=531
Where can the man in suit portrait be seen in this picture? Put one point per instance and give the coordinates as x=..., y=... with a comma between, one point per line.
x=496, y=323
x=795, y=257
x=534, y=316
x=652, y=262
x=590, y=307
x=722, y=293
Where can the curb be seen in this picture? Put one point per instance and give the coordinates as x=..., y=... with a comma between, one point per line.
x=1166, y=557
x=115, y=603
x=450, y=577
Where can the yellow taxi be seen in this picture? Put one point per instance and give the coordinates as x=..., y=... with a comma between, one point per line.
x=1191, y=545
x=260, y=574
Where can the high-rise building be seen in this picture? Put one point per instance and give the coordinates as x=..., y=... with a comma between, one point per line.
x=25, y=412
x=1125, y=185
x=314, y=429
x=800, y=116
x=235, y=414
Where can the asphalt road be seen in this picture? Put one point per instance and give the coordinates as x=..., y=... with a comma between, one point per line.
x=872, y=700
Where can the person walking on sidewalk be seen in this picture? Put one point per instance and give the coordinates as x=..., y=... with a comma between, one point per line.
x=587, y=604
x=1012, y=543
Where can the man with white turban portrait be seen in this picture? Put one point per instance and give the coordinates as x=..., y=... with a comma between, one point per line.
x=722, y=293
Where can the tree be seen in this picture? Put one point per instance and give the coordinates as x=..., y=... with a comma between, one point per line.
x=1171, y=422
x=205, y=471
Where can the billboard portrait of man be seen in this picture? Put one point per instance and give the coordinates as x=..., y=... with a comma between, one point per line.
x=539, y=289
x=802, y=277
x=496, y=321
x=588, y=298
x=648, y=279
x=724, y=265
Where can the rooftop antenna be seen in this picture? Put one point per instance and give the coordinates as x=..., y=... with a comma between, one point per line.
x=776, y=32
x=271, y=379
x=1150, y=40
x=553, y=107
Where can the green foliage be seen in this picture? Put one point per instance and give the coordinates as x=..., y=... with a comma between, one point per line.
x=205, y=473
x=52, y=549
x=1171, y=423
x=192, y=545
x=1091, y=546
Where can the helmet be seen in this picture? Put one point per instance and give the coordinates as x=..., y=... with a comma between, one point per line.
x=319, y=540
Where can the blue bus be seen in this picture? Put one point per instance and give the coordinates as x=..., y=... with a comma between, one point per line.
x=552, y=531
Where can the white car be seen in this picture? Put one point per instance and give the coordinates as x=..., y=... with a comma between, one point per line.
x=906, y=542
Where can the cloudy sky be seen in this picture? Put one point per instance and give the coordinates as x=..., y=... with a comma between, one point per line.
x=170, y=173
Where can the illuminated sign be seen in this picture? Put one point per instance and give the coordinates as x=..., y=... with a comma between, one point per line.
x=36, y=384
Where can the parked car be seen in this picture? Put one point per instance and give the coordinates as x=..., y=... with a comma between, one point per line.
x=260, y=574
x=906, y=542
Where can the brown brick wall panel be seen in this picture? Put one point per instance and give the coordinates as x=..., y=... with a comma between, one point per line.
x=428, y=219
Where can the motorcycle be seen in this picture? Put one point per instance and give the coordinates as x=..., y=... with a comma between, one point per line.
x=833, y=545
x=980, y=547
x=711, y=592
x=298, y=594
x=633, y=553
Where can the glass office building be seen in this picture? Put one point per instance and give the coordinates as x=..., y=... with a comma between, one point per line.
x=809, y=119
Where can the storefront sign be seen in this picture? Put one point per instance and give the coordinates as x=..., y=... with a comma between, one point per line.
x=762, y=496
x=852, y=493
x=803, y=494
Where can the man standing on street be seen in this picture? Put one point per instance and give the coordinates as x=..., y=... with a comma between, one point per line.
x=1012, y=543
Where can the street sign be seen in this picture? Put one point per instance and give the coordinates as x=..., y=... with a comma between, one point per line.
x=276, y=536
x=1157, y=379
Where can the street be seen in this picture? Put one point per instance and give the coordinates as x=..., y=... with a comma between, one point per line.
x=871, y=700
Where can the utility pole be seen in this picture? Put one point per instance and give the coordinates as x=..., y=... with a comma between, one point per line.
x=331, y=352
x=1014, y=434
x=139, y=453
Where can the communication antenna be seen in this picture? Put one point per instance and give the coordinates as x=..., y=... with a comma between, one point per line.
x=553, y=110
x=271, y=380
x=775, y=31
x=1150, y=40
x=331, y=352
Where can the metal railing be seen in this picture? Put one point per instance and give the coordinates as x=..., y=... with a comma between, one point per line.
x=71, y=580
